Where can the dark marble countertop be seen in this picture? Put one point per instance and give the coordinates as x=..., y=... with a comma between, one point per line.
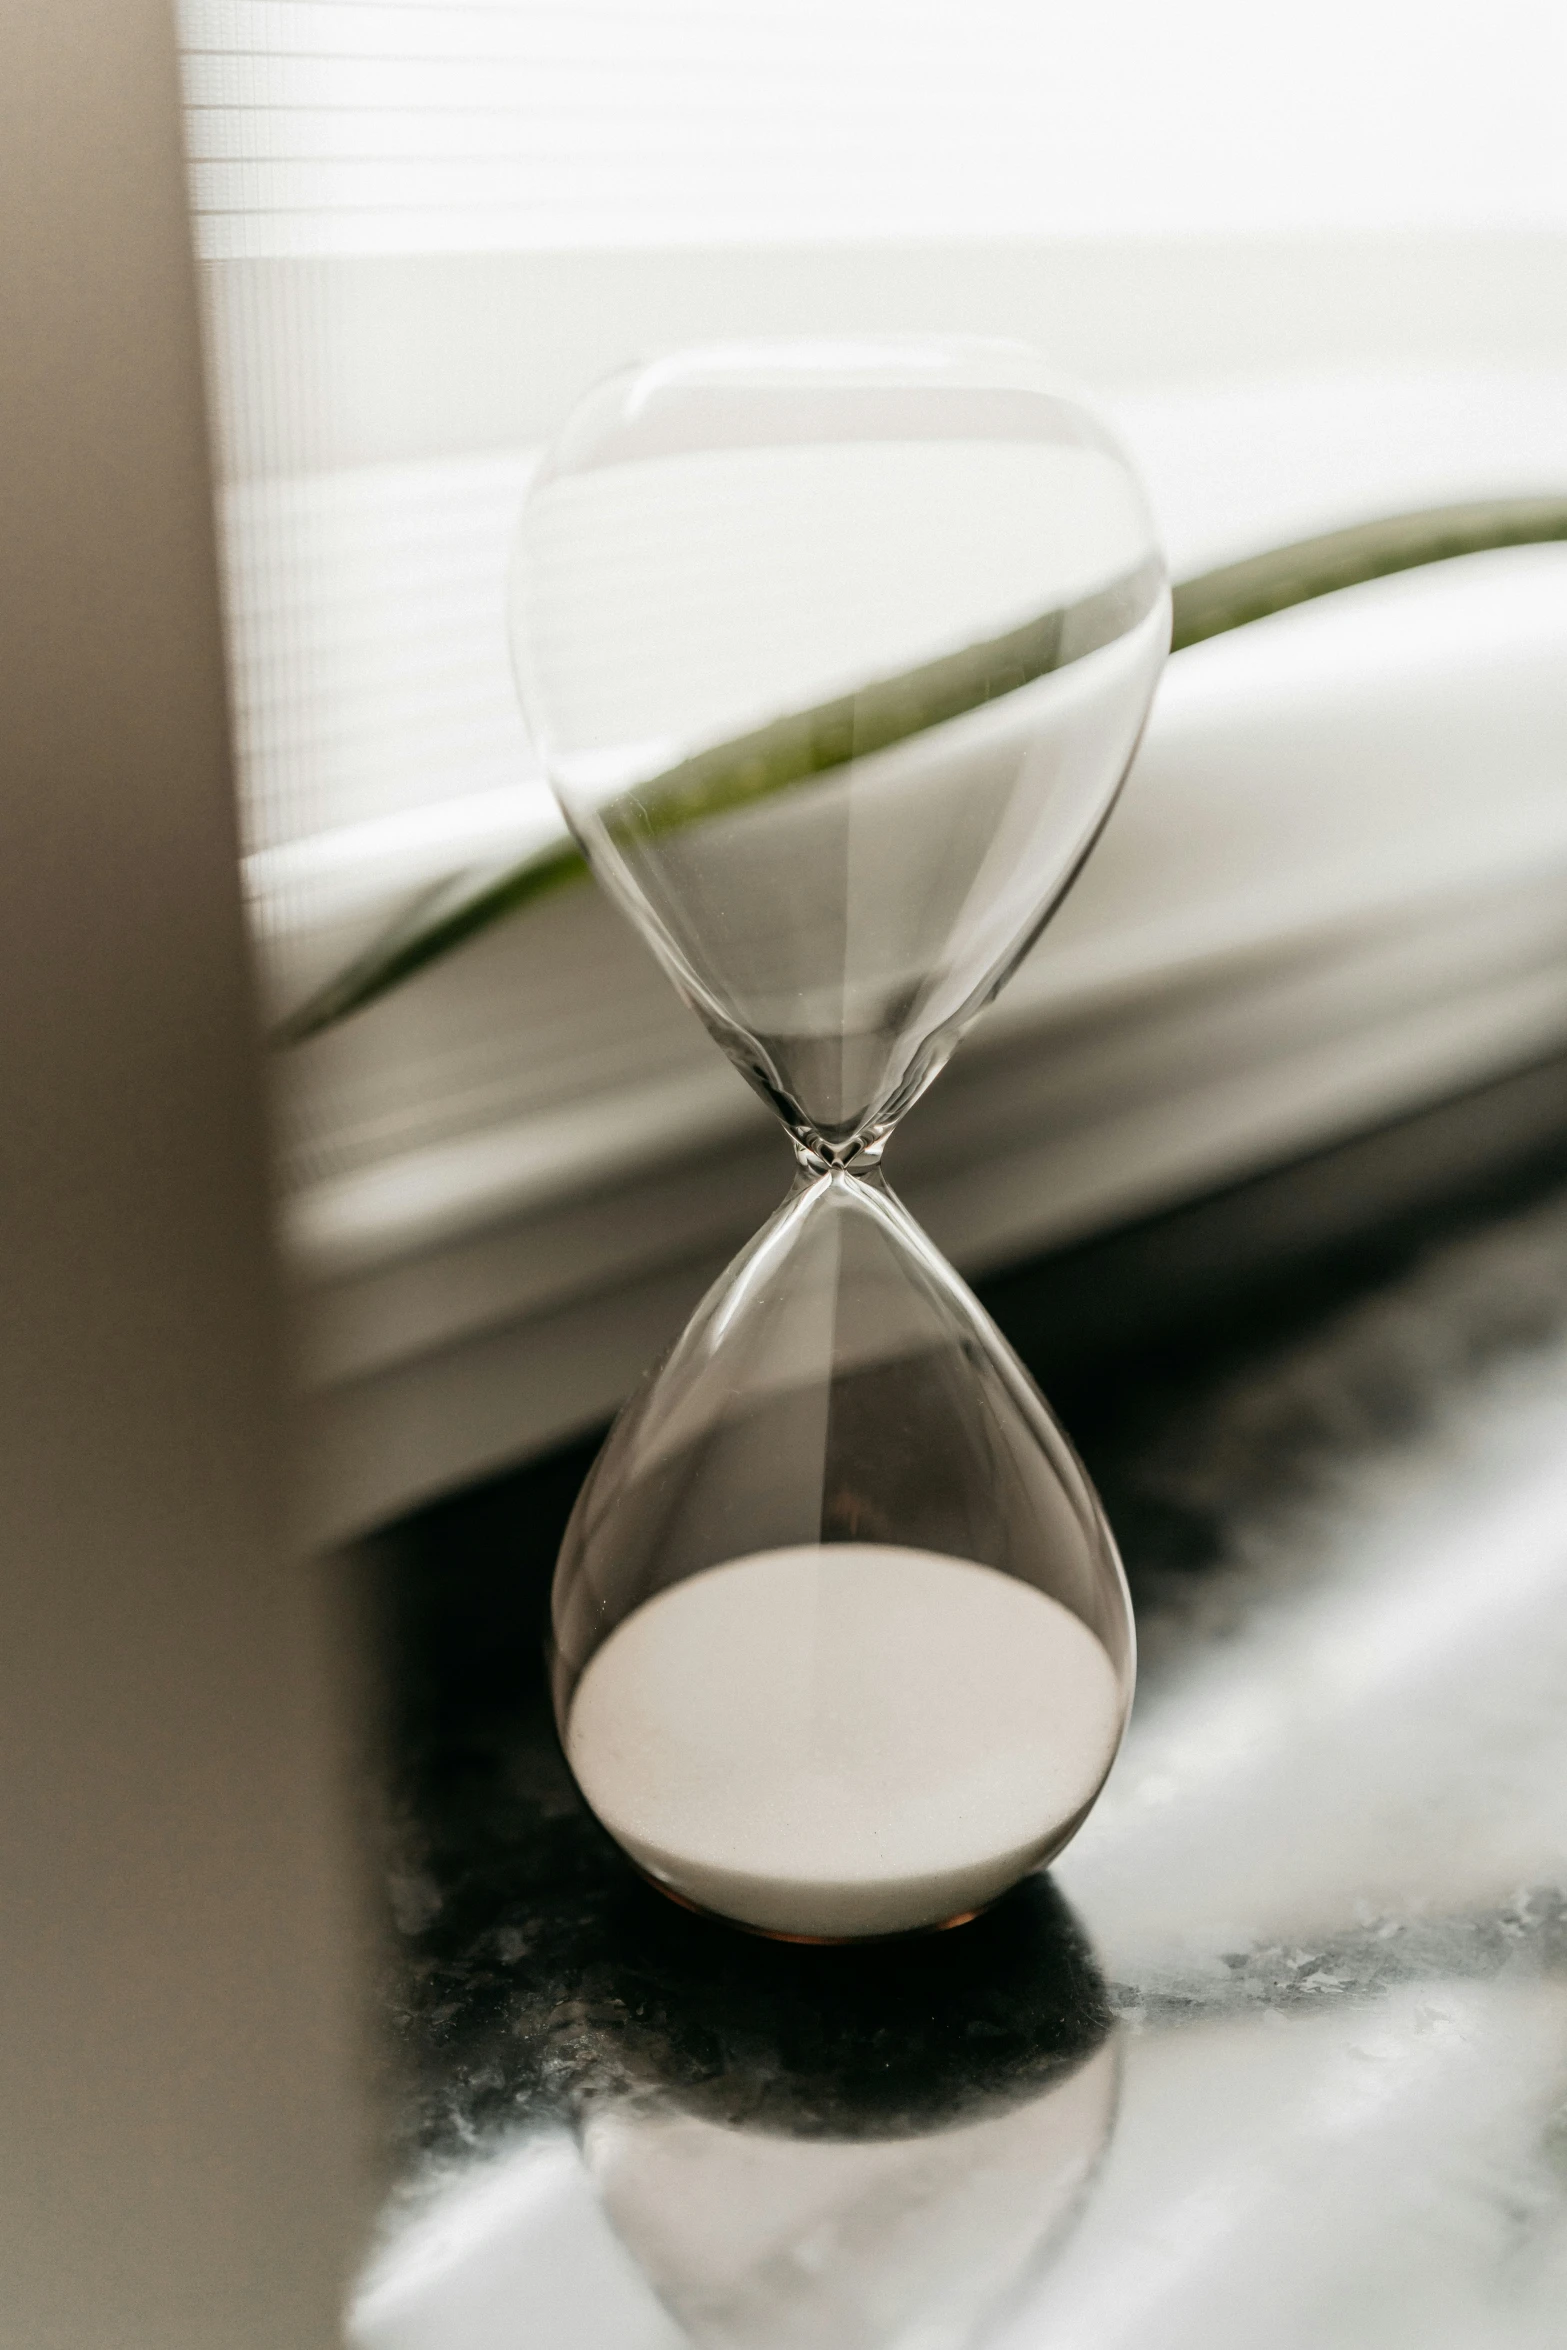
x=1277, y=2052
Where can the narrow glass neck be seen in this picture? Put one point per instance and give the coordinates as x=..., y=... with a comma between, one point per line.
x=860, y=1155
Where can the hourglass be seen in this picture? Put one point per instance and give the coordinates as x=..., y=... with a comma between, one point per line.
x=837, y=655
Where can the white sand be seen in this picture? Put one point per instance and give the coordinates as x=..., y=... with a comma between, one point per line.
x=844, y=1739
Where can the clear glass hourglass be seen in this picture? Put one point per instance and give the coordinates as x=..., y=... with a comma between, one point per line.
x=837, y=655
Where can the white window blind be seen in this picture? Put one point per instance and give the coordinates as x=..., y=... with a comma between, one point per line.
x=389, y=126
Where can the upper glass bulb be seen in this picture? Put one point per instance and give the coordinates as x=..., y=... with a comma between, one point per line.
x=837, y=655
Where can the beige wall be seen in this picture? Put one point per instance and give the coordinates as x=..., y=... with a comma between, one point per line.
x=176, y=2133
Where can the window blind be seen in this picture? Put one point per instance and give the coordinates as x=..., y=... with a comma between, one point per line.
x=391, y=126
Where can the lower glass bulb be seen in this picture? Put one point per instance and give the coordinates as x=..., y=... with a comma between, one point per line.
x=842, y=1644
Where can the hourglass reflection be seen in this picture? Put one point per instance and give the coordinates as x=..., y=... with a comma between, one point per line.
x=837, y=657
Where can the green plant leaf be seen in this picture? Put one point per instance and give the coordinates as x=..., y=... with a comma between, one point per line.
x=1263, y=584
x=806, y=744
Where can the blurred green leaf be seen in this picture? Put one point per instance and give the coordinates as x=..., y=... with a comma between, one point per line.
x=814, y=742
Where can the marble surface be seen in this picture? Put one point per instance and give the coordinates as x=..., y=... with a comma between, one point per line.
x=1278, y=2051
